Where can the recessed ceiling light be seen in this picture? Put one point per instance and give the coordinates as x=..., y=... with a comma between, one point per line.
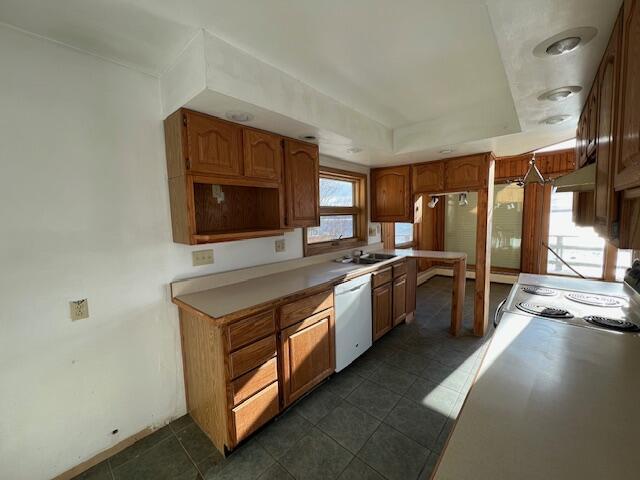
x=309, y=137
x=354, y=150
x=559, y=94
x=445, y=151
x=239, y=116
x=565, y=42
x=556, y=119
x=564, y=45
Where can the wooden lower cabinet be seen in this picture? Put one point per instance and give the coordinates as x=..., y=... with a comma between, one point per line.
x=250, y=415
x=382, y=310
x=308, y=354
x=399, y=299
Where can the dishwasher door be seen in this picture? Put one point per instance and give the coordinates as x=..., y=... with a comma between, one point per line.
x=354, y=332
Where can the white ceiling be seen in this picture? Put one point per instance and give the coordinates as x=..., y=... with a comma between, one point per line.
x=407, y=64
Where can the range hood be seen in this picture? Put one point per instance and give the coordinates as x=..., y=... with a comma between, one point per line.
x=581, y=180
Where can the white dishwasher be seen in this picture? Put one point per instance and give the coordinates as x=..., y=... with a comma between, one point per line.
x=353, y=320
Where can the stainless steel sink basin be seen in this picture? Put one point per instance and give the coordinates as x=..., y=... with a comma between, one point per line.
x=380, y=256
x=365, y=260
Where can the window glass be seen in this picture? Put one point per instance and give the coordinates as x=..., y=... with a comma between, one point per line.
x=624, y=261
x=332, y=227
x=336, y=193
x=580, y=247
x=506, y=232
x=404, y=233
x=460, y=225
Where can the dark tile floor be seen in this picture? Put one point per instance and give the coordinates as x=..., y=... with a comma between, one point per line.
x=387, y=415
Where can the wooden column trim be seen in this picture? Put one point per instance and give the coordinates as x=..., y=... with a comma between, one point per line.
x=388, y=235
x=457, y=300
x=610, y=260
x=483, y=252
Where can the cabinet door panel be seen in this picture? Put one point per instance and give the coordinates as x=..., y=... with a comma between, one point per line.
x=391, y=194
x=215, y=146
x=428, y=177
x=262, y=155
x=308, y=355
x=465, y=173
x=605, y=197
x=628, y=162
x=592, y=117
x=399, y=299
x=302, y=177
x=382, y=314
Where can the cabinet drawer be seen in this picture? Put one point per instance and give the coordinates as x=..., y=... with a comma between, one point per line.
x=299, y=310
x=254, y=381
x=381, y=277
x=250, y=415
x=399, y=269
x=250, y=329
x=251, y=356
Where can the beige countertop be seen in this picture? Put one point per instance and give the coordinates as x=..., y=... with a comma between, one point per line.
x=551, y=401
x=222, y=301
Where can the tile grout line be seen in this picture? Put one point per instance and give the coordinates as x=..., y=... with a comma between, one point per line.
x=185, y=450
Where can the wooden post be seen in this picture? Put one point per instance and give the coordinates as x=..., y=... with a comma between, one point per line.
x=610, y=260
x=457, y=301
x=483, y=251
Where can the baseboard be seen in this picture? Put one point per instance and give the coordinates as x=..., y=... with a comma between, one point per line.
x=447, y=272
x=100, y=457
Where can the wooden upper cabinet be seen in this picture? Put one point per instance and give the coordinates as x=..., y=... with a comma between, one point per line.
x=465, y=173
x=308, y=354
x=262, y=155
x=628, y=158
x=391, y=194
x=605, y=196
x=302, y=182
x=213, y=146
x=428, y=177
x=592, y=118
x=382, y=310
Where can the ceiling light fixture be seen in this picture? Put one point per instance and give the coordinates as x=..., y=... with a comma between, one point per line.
x=556, y=119
x=354, y=150
x=533, y=175
x=240, y=117
x=564, y=45
x=560, y=94
x=308, y=137
x=445, y=151
x=462, y=199
x=433, y=202
x=565, y=42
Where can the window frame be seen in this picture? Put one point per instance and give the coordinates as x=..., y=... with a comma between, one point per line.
x=359, y=212
x=409, y=244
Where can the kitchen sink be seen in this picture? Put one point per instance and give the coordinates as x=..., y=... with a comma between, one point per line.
x=366, y=260
x=380, y=256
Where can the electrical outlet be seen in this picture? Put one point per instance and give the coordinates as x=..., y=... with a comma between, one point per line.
x=202, y=257
x=79, y=309
x=280, y=245
x=373, y=230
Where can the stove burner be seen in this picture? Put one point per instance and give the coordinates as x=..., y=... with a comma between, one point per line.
x=595, y=300
x=612, y=323
x=545, y=292
x=544, y=310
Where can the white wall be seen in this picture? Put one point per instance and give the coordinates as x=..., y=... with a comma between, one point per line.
x=85, y=214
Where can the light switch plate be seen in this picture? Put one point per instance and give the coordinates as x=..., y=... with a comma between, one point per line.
x=79, y=309
x=373, y=230
x=202, y=257
x=280, y=245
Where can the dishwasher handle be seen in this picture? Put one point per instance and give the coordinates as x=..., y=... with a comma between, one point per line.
x=342, y=292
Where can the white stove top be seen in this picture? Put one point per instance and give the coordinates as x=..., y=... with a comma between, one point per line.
x=575, y=301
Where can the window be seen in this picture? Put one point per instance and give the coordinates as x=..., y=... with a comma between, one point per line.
x=460, y=225
x=403, y=234
x=580, y=247
x=343, y=216
x=506, y=232
x=624, y=261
